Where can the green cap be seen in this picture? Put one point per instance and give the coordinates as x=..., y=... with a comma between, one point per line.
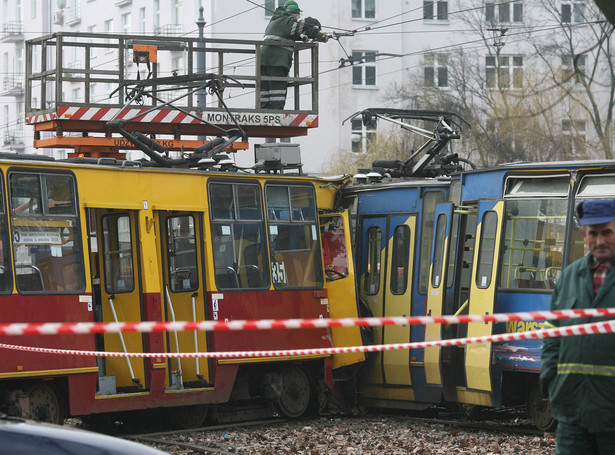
x=291, y=5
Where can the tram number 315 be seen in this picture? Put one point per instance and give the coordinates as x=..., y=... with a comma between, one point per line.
x=278, y=272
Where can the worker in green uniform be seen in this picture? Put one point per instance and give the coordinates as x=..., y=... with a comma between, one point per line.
x=285, y=27
x=578, y=372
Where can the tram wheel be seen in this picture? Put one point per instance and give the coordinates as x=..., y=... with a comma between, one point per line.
x=540, y=410
x=45, y=404
x=296, y=393
x=186, y=417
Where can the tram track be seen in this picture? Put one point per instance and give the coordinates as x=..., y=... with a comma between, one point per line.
x=255, y=436
x=158, y=438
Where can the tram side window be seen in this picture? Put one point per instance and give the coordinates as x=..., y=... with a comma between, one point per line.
x=238, y=236
x=46, y=235
x=183, y=266
x=430, y=199
x=486, y=250
x=293, y=237
x=374, y=255
x=6, y=284
x=534, y=233
x=400, y=259
x=117, y=251
x=438, y=256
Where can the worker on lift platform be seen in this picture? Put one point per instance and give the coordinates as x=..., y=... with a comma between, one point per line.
x=284, y=27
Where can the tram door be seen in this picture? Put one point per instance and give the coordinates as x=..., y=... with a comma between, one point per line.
x=387, y=288
x=120, y=298
x=482, y=294
x=436, y=296
x=184, y=295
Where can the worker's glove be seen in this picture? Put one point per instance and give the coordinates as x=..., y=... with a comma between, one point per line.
x=304, y=38
x=322, y=37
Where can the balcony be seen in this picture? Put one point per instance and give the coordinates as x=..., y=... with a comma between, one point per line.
x=12, y=85
x=13, y=140
x=122, y=2
x=73, y=15
x=12, y=32
x=169, y=30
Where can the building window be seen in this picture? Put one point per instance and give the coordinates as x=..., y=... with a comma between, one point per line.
x=178, y=12
x=108, y=27
x=436, y=70
x=504, y=72
x=364, y=68
x=508, y=139
x=573, y=11
x=569, y=72
x=433, y=10
x=156, y=11
x=362, y=135
x=363, y=9
x=573, y=132
x=271, y=5
x=126, y=23
x=142, y=20
x=33, y=9
x=504, y=12
x=92, y=29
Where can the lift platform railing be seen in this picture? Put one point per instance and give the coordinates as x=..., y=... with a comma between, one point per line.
x=82, y=69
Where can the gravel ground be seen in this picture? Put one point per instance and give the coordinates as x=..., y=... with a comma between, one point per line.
x=366, y=435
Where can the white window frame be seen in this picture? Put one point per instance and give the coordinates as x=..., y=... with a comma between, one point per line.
x=574, y=132
x=126, y=23
x=271, y=5
x=435, y=14
x=568, y=70
x=360, y=6
x=363, y=55
x=156, y=15
x=495, y=10
x=438, y=64
x=504, y=65
x=142, y=20
x=362, y=135
x=575, y=9
x=108, y=28
x=177, y=9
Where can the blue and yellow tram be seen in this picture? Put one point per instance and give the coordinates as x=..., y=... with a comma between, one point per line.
x=478, y=242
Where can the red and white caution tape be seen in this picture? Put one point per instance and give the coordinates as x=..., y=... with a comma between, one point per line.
x=581, y=329
x=55, y=328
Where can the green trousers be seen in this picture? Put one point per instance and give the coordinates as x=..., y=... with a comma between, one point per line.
x=273, y=93
x=575, y=440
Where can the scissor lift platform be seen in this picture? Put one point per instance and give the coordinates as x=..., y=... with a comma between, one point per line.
x=91, y=67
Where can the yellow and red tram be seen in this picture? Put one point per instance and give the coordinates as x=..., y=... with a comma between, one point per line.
x=84, y=242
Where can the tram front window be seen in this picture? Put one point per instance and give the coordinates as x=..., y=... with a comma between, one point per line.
x=45, y=229
x=238, y=236
x=293, y=237
x=534, y=232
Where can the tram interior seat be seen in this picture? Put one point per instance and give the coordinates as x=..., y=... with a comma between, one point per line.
x=527, y=277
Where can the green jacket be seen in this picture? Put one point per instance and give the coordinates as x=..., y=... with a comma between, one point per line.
x=284, y=28
x=578, y=372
